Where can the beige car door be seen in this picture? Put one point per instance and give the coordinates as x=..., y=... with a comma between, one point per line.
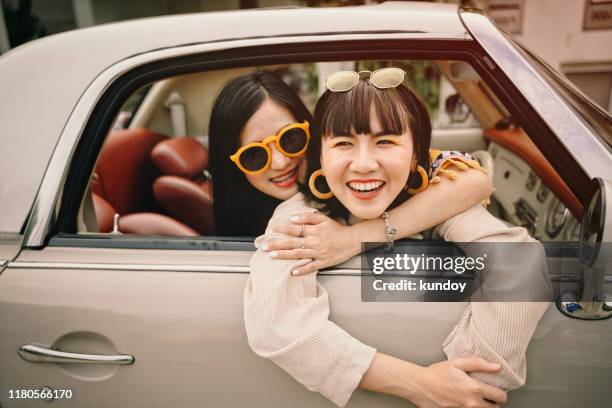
x=169, y=325
x=178, y=314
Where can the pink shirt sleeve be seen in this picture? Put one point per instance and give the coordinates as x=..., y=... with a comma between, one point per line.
x=287, y=321
x=498, y=331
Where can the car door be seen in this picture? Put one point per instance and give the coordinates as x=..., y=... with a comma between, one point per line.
x=178, y=313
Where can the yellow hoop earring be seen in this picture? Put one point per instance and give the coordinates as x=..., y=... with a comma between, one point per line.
x=422, y=184
x=313, y=187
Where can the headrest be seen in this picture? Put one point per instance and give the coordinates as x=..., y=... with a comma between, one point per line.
x=182, y=157
x=186, y=201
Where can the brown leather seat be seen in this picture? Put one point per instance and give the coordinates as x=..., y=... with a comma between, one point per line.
x=154, y=224
x=183, y=157
x=123, y=182
x=104, y=213
x=125, y=173
x=143, y=223
x=183, y=191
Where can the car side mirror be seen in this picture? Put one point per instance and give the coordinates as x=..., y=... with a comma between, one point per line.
x=592, y=302
x=596, y=227
x=456, y=108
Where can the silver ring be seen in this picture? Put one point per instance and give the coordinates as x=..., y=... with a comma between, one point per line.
x=303, y=243
x=303, y=232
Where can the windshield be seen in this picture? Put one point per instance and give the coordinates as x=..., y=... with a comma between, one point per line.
x=596, y=117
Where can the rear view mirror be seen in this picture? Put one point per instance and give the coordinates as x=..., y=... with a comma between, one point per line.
x=456, y=108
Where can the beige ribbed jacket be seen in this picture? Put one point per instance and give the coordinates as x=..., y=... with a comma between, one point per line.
x=287, y=317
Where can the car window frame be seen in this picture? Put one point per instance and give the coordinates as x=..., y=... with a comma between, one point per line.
x=61, y=232
x=592, y=114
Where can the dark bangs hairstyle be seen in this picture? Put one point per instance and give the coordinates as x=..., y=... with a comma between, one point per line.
x=345, y=113
x=239, y=208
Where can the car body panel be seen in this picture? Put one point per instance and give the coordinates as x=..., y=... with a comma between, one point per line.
x=53, y=83
x=10, y=245
x=185, y=329
x=182, y=320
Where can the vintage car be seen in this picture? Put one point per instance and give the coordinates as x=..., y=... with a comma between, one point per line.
x=114, y=294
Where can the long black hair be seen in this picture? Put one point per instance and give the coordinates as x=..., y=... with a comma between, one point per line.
x=342, y=113
x=239, y=208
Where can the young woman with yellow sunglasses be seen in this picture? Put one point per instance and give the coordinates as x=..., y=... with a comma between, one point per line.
x=259, y=132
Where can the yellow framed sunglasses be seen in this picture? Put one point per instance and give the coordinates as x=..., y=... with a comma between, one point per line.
x=291, y=141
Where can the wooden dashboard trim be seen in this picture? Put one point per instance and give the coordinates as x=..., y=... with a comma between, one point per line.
x=517, y=141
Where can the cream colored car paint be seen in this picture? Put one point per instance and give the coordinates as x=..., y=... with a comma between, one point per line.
x=185, y=330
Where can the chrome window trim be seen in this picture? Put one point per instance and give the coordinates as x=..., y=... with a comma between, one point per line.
x=226, y=269
x=589, y=152
x=153, y=267
x=46, y=205
x=127, y=267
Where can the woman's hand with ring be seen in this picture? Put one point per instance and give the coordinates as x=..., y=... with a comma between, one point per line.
x=444, y=384
x=315, y=236
x=447, y=384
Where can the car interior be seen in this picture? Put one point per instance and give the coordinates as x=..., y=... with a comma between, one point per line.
x=151, y=176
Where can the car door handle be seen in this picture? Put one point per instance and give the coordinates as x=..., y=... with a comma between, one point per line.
x=44, y=354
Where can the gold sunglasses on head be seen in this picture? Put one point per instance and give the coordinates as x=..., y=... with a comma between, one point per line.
x=291, y=141
x=383, y=78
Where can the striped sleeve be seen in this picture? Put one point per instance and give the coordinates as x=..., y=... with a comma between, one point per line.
x=287, y=321
x=498, y=331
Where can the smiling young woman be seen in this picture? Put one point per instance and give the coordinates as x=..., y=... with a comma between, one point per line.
x=366, y=144
x=248, y=187
x=367, y=171
x=279, y=176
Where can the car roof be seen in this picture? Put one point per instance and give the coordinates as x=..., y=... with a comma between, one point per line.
x=42, y=81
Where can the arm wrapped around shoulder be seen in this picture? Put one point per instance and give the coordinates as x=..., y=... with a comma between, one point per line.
x=513, y=295
x=287, y=321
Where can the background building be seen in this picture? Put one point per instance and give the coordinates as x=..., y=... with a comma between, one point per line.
x=573, y=36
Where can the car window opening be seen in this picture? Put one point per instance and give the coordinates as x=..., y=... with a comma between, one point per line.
x=152, y=181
